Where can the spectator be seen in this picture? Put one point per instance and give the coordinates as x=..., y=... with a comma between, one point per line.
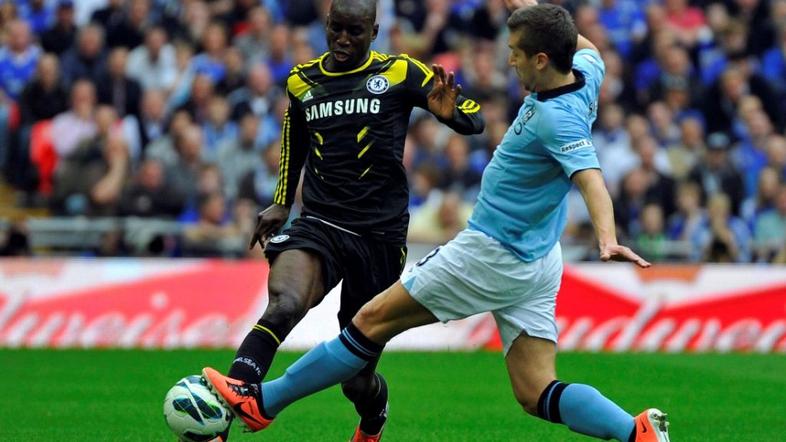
x=459, y=176
x=439, y=220
x=199, y=101
x=149, y=195
x=38, y=14
x=625, y=23
x=773, y=62
x=651, y=241
x=90, y=180
x=152, y=119
x=723, y=237
x=211, y=61
x=685, y=155
x=257, y=98
x=218, y=128
x=77, y=123
x=163, y=149
x=770, y=229
x=254, y=42
x=716, y=174
x=653, y=162
x=127, y=29
x=631, y=201
x=212, y=232
x=687, y=222
x=60, y=36
x=776, y=154
x=235, y=73
x=153, y=64
x=237, y=156
x=87, y=59
x=44, y=96
x=18, y=60
x=687, y=20
x=279, y=61
x=185, y=172
x=259, y=184
x=764, y=199
x=116, y=88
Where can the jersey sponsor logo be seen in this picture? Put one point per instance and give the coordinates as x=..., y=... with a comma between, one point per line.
x=343, y=107
x=519, y=126
x=377, y=84
x=279, y=239
x=575, y=145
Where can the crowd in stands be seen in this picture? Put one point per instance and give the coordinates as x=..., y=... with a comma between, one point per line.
x=172, y=109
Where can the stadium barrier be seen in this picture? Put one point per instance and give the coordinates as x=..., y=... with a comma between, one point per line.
x=86, y=303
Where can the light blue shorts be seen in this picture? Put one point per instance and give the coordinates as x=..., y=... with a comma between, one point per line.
x=474, y=273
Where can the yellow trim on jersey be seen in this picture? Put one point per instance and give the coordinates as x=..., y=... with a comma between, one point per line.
x=320, y=140
x=319, y=154
x=426, y=71
x=297, y=86
x=362, y=152
x=396, y=73
x=364, y=172
x=280, y=196
x=366, y=64
x=469, y=107
x=363, y=133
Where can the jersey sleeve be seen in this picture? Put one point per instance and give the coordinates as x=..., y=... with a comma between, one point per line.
x=467, y=118
x=567, y=139
x=589, y=62
x=294, y=149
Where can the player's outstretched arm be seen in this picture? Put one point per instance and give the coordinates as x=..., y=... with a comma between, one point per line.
x=581, y=43
x=445, y=101
x=596, y=197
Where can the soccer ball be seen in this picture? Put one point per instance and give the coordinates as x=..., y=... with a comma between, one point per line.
x=193, y=413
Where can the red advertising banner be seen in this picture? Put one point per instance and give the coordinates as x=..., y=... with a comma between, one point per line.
x=213, y=303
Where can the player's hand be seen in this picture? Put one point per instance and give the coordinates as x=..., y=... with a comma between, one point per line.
x=617, y=252
x=443, y=95
x=512, y=5
x=268, y=223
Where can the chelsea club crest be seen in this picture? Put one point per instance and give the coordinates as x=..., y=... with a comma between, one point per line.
x=377, y=84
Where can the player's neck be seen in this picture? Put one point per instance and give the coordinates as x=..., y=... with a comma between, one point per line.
x=556, y=80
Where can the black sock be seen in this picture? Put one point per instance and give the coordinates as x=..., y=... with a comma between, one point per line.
x=255, y=355
x=632, y=437
x=548, y=403
x=371, y=400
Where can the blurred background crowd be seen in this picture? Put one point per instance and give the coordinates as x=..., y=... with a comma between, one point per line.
x=151, y=127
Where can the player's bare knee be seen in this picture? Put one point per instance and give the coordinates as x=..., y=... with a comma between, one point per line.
x=285, y=306
x=367, y=317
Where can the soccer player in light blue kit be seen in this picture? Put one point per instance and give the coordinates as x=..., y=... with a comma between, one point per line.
x=508, y=261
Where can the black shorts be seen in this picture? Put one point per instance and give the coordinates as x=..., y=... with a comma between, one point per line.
x=366, y=265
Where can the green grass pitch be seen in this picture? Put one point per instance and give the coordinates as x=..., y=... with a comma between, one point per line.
x=117, y=395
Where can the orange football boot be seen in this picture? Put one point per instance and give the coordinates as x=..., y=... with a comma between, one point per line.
x=360, y=436
x=242, y=398
x=652, y=426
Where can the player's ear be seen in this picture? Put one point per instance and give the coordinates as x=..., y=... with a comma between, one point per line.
x=374, y=32
x=541, y=60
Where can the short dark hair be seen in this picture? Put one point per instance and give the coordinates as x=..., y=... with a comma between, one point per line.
x=549, y=29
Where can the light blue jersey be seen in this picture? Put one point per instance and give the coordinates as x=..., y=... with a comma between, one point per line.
x=522, y=201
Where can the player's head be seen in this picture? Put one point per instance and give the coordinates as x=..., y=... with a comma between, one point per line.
x=350, y=29
x=542, y=39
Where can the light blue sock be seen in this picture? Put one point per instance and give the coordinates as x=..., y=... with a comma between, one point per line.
x=585, y=410
x=325, y=365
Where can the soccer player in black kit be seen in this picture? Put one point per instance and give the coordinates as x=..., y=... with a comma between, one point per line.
x=346, y=122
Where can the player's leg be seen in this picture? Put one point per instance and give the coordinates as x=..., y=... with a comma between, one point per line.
x=529, y=334
x=530, y=363
x=294, y=286
x=374, y=266
x=303, y=269
x=360, y=343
